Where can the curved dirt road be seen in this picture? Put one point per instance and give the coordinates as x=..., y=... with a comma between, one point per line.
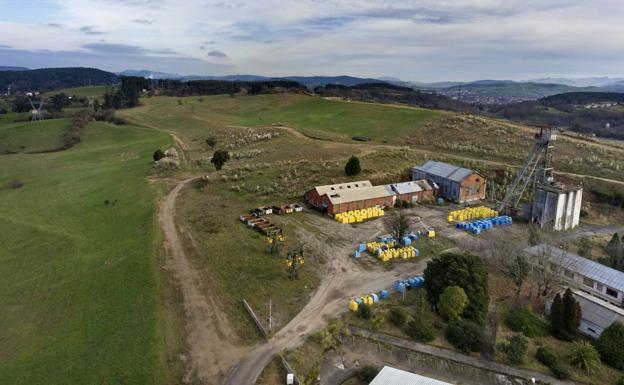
x=209, y=337
x=342, y=279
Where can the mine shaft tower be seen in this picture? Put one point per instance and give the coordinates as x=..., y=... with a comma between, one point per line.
x=537, y=168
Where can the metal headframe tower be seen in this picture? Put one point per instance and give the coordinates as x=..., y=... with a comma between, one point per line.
x=537, y=168
x=37, y=111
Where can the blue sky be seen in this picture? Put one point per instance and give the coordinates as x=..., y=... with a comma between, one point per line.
x=426, y=40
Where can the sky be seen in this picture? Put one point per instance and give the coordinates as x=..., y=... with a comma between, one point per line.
x=424, y=40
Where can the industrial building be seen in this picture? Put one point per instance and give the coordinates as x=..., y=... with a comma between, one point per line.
x=392, y=376
x=555, y=206
x=415, y=191
x=596, y=314
x=581, y=273
x=342, y=197
x=454, y=183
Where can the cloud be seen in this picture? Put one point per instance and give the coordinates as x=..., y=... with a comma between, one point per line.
x=142, y=21
x=108, y=48
x=412, y=39
x=216, y=53
x=90, y=30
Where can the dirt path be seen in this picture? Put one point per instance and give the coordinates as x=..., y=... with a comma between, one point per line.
x=209, y=336
x=342, y=279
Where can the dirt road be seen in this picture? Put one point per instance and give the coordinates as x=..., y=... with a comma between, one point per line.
x=209, y=337
x=343, y=278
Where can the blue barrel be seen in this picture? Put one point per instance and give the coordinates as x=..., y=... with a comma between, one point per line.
x=411, y=282
x=375, y=297
x=384, y=294
x=358, y=300
x=362, y=247
x=417, y=252
x=400, y=287
x=356, y=254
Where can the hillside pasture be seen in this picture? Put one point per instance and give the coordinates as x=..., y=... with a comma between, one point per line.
x=77, y=263
x=32, y=137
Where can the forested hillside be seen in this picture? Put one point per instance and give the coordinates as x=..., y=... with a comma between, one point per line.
x=48, y=79
x=388, y=93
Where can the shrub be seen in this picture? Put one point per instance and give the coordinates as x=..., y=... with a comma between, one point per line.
x=584, y=356
x=158, y=155
x=466, y=336
x=219, y=158
x=452, y=302
x=620, y=381
x=352, y=168
x=524, y=320
x=14, y=184
x=420, y=330
x=560, y=371
x=365, y=311
x=546, y=357
x=397, y=316
x=367, y=373
x=610, y=345
x=211, y=142
x=463, y=270
x=515, y=348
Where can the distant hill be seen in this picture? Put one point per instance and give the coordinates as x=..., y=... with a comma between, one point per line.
x=580, y=82
x=309, y=81
x=580, y=98
x=581, y=112
x=506, y=91
x=9, y=68
x=48, y=79
x=389, y=93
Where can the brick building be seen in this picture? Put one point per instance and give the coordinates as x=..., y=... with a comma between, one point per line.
x=454, y=183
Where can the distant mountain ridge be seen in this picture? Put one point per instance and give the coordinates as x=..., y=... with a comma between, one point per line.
x=310, y=81
x=10, y=68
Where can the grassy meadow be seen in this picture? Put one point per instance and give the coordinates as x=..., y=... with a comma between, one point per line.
x=87, y=91
x=439, y=133
x=78, y=263
x=30, y=137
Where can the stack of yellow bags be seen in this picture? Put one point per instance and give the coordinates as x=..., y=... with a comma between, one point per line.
x=356, y=216
x=401, y=252
x=471, y=213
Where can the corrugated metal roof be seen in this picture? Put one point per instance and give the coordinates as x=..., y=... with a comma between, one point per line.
x=358, y=194
x=321, y=190
x=583, y=266
x=445, y=170
x=405, y=187
x=598, y=311
x=392, y=376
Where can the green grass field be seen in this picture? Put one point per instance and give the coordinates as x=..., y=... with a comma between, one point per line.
x=79, y=277
x=87, y=91
x=29, y=137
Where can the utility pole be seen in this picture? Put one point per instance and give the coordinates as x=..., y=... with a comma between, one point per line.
x=270, y=315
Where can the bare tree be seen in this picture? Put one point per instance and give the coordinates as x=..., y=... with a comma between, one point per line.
x=517, y=269
x=549, y=267
x=397, y=224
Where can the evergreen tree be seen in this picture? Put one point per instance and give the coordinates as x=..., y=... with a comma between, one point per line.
x=571, y=315
x=352, y=168
x=463, y=270
x=615, y=250
x=556, y=316
x=219, y=158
